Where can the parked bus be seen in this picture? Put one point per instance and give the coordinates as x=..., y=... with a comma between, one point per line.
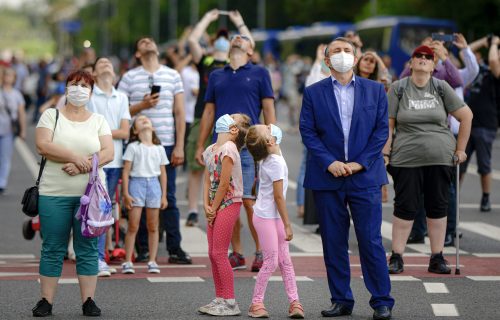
x=399, y=36
x=298, y=39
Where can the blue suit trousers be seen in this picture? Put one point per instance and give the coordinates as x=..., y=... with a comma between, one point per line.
x=366, y=211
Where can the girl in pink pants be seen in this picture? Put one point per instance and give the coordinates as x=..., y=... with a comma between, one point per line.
x=223, y=189
x=270, y=219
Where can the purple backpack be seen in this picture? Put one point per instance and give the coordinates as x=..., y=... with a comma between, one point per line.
x=95, y=205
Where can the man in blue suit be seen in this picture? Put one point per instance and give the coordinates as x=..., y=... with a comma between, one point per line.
x=344, y=125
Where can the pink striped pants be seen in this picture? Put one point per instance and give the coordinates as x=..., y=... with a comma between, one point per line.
x=275, y=250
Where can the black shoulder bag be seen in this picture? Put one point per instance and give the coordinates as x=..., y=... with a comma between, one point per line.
x=30, y=197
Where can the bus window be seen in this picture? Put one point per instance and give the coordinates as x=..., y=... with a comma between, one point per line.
x=377, y=39
x=412, y=36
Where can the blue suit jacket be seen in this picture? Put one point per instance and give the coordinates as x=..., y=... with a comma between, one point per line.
x=321, y=131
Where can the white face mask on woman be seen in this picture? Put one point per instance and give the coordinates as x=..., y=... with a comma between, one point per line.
x=342, y=62
x=78, y=96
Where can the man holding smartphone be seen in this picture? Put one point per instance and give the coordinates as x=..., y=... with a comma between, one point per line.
x=156, y=91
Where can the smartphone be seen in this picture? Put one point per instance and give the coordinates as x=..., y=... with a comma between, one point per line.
x=443, y=37
x=155, y=89
x=224, y=12
x=489, y=37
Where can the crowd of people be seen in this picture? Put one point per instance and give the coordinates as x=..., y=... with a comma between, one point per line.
x=200, y=107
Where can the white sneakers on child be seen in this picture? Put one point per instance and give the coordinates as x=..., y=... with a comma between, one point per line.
x=104, y=269
x=153, y=267
x=222, y=308
x=128, y=268
x=204, y=309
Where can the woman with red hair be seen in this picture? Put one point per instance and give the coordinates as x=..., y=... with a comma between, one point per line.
x=68, y=138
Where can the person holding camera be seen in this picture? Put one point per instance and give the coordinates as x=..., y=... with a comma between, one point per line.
x=421, y=154
x=156, y=91
x=205, y=64
x=483, y=100
x=444, y=69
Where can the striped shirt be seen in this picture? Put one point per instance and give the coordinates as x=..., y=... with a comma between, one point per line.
x=136, y=83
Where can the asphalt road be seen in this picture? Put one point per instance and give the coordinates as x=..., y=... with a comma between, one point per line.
x=133, y=297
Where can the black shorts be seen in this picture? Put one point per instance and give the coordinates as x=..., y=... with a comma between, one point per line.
x=410, y=183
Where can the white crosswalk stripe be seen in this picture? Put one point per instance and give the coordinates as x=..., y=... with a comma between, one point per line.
x=435, y=287
x=444, y=310
x=482, y=228
x=306, y=243
x=174, y=279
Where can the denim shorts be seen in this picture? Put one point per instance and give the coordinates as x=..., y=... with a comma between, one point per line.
x=145, y=191
x=248, y=171
x=480, y=141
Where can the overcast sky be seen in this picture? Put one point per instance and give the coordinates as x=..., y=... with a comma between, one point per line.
x=12, y=3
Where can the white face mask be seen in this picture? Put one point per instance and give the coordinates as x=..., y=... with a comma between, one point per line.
x=78, y=96
x=342, y=62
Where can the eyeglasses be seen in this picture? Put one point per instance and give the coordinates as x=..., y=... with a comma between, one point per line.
x=241, y=36
x=151, y=81
x=422, y=55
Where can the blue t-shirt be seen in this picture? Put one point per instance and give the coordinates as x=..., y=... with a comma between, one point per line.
x=239, y=91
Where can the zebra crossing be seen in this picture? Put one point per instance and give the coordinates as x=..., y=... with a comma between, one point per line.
x=306, y=243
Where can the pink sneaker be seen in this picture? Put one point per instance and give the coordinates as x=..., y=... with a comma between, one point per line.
x=296, y=311
x=257, y=310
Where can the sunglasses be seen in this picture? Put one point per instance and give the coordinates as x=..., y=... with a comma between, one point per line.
x=241, y=36
x=422, y=55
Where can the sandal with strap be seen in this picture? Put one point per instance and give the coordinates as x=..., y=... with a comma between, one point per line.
x=257, y=310
x=296, y=311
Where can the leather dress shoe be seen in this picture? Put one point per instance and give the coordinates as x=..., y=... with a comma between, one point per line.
x=382, y=313
x=336, y=310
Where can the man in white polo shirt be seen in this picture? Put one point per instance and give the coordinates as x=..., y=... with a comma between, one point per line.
x=166, y=111
x=113, y=105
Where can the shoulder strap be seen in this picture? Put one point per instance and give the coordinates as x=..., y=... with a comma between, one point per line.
x=44, y=160
x=401, y=87
x=95, y=165
x=437, y=85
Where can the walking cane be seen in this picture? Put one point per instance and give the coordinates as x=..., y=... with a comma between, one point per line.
x=457, y=233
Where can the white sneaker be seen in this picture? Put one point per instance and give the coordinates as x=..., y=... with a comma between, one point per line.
x=128, y=268
x=153, y=267
x=103, y=269
x=224, y=309
x=204, y=309
x=112, y=270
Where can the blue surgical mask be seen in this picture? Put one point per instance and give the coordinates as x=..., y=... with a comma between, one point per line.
x=224, y=123
x=324, y=67
x=221, y=44
x=276, y=132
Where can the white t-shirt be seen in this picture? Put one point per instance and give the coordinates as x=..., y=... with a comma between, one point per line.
x=191, y=81
x=81, y=138
x=114, y=108
x=273, y=168
x=136, y=83
x=146, y=160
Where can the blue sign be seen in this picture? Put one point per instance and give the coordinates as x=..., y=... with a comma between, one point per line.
x=71, y=26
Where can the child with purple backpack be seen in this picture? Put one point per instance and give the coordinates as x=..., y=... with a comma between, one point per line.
x=144, y=185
